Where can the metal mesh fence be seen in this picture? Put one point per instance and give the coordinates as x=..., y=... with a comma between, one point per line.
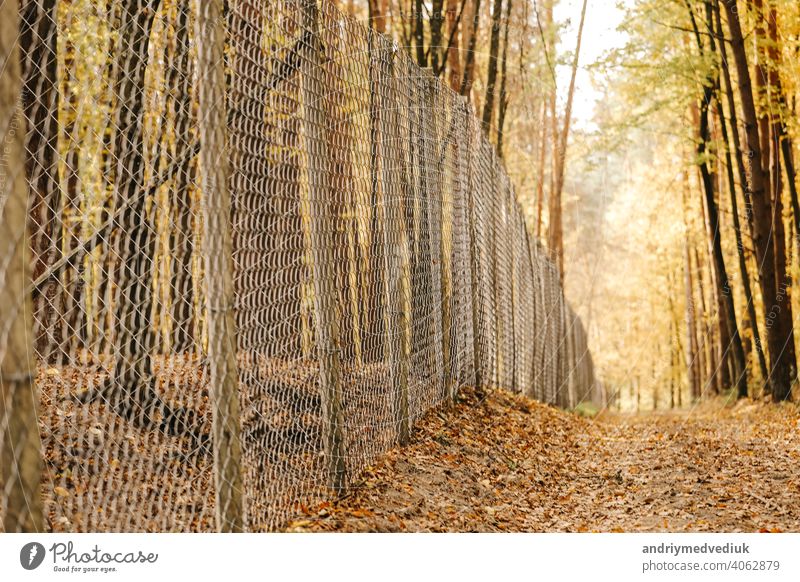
x=261, y=243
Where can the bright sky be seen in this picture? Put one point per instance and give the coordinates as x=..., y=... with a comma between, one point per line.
x=599, y=36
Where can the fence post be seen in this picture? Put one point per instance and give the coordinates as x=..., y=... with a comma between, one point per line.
x=533, y=330
x=515, y=230
x=20, y=458
x=554, y=330
x=436, y=224
x=552, y=346
x=573, y=360
x=546, y=372
x=396, y=253
x=218, y=256
x=474, y=255
x=446, y=276
x=563, y=349
x=460, y=267
x=568, y=358
x=326, y=316
x=499, y=331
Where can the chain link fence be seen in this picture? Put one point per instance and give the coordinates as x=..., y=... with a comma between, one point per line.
x=261, y=243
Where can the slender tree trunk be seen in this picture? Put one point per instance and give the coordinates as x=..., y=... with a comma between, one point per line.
x=218, y=261
x=771, y=128
x=326, y=312
x=734, y=134
x=130, y=389
x=419, y=34
x=674, y=340
x=780, y=373
x=553, y=114
x=179, y=77
x=20, y=444
x=543, y=141
x=787, y=149
x=679, y=351
x=503, y=105
x=453, y=57
x=695, y=365
x=716, y=301
x=761, y=75
x=344, y=206
x=38, y=45
x=72, y=317
x=730, y=341
x=782, y=264
x=491, y=74
x=549, y=117
x=377, y=15
x=555, y=231
x=471, y=38
x=731, y=349
x=780, y=129
x=436, y=22
x=638, y=384
x=705, y=332
x=133, y=383
x=741, y=383
x=376, y=324
x=734, y=118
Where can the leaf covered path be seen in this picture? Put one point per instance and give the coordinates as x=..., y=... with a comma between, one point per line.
x=505, y=463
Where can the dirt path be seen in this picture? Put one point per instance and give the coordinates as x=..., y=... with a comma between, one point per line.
x=506, y=463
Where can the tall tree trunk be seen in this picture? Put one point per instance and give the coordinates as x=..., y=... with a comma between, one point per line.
x=741, y=383
x=470, y=37
x=543, y=141
x=762, y=74
x=179, y=78
x=503, y=105
x=454, y=42
x=38, y=44
x=730, y=341
x=419, y=34
x=549, y=123
x=555, y=230
x=695, y=363
x=692, y=353
x=780, y=128
x=782, y=264
x=787, y=149
x=435, y=24
x=131, y=386
x=20, y=443
x=343, y=201
x=678, y=345
x=780, y=366
x=374, y=314
x=737, y=149
x=719, y=374
x=377, y=15
x=674, y=341
x=552, y=96
x=72, y=314
x=491, y=74
x=768, y=61
x=705, y=340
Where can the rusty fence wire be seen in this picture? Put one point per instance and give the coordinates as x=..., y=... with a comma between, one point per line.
x=245, y=247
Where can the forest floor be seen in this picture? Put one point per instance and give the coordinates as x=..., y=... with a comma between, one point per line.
x=502, y=462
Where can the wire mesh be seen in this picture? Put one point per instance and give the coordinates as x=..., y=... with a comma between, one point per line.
x=378, y=261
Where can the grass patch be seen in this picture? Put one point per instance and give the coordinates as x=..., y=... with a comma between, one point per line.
x=588, y=409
